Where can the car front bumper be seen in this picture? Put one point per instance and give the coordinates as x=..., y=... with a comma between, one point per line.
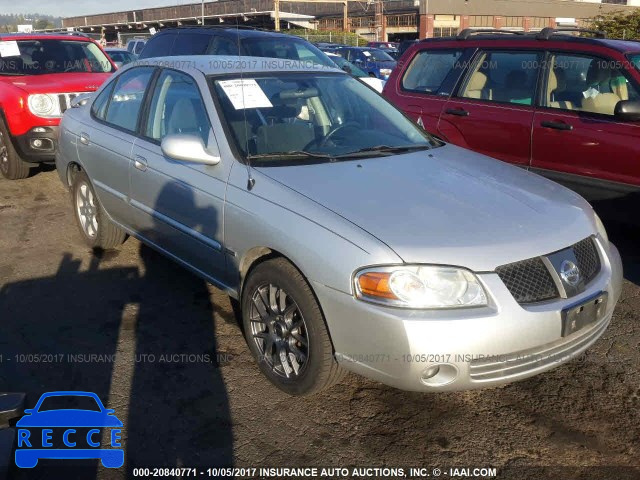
x=473, y=348
x=37, y=146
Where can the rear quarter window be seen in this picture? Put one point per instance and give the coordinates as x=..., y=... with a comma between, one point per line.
x=159, y=46
x=191, y=44
x=428, y=70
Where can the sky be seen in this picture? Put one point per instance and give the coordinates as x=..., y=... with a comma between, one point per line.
x=72, y=8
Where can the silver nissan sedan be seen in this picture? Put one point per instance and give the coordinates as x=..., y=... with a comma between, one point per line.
x=349, y=238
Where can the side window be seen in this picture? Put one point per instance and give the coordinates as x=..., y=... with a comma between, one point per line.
x=427, y=70
x=139, y=48
x=126, y=100
x=177, y=107
x=100, y=104
x=191, y=44
x=506, y=77
x=158, y=46
x=587, y=84
x=223, y=46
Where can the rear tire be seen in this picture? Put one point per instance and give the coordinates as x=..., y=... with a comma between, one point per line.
x=94, y=224
x=286, y=331
x=12, y=166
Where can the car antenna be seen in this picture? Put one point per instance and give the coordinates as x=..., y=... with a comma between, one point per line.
x=250, y=181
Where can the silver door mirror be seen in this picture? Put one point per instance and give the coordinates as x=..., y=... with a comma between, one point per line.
x=187, y=148
x=81, y=100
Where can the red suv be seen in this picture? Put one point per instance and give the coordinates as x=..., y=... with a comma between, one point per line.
x=39, y=76
x=564, y=106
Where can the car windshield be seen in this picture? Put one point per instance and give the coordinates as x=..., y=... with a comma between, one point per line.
x=69, y=402
x=352, y=69
x=285, y=48
x=312, y=117
x=45, y=56
x=377, y=55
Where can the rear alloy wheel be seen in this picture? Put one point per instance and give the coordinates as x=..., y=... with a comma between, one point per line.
x=12, y=166
x=96, y=228
x=286, y=331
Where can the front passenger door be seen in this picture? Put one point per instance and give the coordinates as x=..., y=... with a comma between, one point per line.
x=178, y=205
x=493, y=110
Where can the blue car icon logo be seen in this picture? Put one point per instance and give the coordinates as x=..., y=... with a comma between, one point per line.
x=51, y=430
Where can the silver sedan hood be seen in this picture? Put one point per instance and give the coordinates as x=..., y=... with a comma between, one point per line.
x=447, y=206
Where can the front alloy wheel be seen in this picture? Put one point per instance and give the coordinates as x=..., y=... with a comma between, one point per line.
x=279, y=331
x=286, y=331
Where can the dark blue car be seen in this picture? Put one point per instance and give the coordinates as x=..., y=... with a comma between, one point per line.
x=374, y=61
x=75, y=431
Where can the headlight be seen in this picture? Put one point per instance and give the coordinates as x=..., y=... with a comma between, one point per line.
x=415, y=286
x=601, y=230
x=385, y=72
x=43, y=105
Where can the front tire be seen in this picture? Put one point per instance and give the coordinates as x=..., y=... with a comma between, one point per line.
x=286, y=331
x=12, y=166
x=94, y=225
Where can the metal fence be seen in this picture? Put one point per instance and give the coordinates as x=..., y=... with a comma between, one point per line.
x=344, y=38
x=124, y=37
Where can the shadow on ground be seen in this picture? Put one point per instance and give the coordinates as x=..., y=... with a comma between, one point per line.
x=76, y=329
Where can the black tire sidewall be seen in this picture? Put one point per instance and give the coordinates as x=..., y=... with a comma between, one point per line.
x=16, y=168
x=319, y=356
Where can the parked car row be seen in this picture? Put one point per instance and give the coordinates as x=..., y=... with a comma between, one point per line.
x=449, y=271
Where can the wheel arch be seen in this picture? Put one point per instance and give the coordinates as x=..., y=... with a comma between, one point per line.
x=258, y=255
x=72, y=170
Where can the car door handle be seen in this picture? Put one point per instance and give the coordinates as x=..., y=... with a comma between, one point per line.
x=84, y=138
x=459, y=112
x=140, y=163
x=557, y=125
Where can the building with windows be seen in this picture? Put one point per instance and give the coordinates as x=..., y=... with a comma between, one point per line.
x=385, y=20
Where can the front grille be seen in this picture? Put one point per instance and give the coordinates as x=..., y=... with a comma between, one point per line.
x=588, y=259
x=528, y=281
x=65, y=101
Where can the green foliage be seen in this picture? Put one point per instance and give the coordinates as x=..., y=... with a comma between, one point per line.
x=619, y=25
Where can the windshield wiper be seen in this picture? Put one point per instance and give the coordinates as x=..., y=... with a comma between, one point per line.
x=295, y=153
x=382, y=149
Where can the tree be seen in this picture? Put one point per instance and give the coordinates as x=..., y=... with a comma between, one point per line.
x=619, y=25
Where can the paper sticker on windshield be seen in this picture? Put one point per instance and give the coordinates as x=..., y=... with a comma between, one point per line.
x=9, y=49
x=245, y=93
x=366, y=54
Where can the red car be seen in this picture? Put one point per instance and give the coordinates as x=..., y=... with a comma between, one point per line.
x=564, y=106
x=39, y=76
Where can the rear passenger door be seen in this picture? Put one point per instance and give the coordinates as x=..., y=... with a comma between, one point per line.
x=577, y=140
x=105, y=144
x=493, y=110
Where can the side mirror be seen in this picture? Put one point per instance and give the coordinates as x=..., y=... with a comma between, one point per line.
x=28, y=411
x=628, y=110
x=81, y=100
x=109, y=411
x=347, y=69
x=119, y=64
x=187, y=148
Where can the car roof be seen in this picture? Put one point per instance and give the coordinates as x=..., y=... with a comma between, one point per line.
x=230, y=64
x=43, y=36
x=116, y=49
x=623, y=46
x=231, y=30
